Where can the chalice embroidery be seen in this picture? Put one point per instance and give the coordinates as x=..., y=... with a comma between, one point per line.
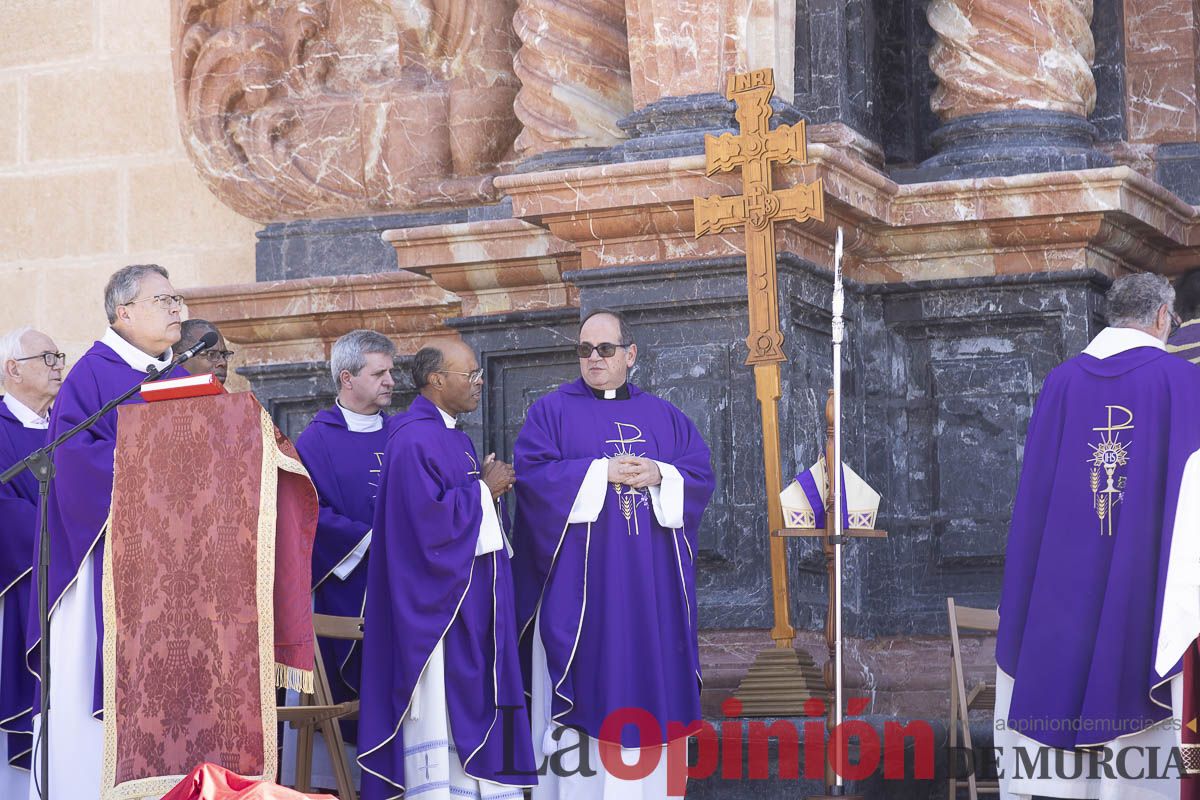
x=1109, y=455
x=628, y=497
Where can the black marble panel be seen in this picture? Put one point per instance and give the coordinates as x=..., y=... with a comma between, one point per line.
x=1177, y=167
x=952, y=371
x=294, y=393
x=348, y=246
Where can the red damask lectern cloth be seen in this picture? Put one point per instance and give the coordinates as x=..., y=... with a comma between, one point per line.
x=206, y=604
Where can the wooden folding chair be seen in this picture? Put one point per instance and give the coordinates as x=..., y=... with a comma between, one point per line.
x=318, y=712
x=982, y=695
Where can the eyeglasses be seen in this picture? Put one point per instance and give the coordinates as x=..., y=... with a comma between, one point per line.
x=217, y=355
x=164, y=301
x=1176, y=322
x=51, y=359
x=472, y=376
x=605, y=349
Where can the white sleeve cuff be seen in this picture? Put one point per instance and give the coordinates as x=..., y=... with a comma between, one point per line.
x=667, y=497
x=490, y=538
x=347, y=564
x=590, y=499
x=1181, y=595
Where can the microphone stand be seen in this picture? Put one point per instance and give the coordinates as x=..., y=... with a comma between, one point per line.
x=40, y=464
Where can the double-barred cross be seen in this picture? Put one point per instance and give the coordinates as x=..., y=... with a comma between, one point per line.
x=755, y=149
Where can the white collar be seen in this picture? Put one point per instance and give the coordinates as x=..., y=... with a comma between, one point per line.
x=26, y=415
x=446, y=418
x=131, y=355
x=360, y=423
x=1111, y=341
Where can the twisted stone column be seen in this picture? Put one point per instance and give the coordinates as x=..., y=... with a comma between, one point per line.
x=1015, y=86
x=574, y=70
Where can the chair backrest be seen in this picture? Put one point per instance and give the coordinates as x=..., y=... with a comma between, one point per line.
x=974, y=619
x=330, y=627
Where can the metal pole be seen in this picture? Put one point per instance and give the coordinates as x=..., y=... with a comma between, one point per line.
x=835, y=483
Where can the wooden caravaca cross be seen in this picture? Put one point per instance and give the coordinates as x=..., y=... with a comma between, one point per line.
x=755, y=149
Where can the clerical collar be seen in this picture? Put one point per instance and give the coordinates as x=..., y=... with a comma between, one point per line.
x=446, y=418
x=621, y=393
x=131, y=355
x=360, y=423
x=24, y=414
x=1111, y=341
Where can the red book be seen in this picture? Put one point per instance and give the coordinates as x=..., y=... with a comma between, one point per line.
x=176, y=388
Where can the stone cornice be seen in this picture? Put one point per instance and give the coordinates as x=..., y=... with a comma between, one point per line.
x=299, y=320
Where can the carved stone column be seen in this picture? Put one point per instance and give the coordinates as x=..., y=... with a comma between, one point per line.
x=680, y=53
x=1015, y=87
x=574, y=71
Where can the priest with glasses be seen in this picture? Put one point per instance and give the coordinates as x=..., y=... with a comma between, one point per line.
x=612, y=482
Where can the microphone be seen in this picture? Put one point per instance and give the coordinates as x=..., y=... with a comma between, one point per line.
x=206, y=341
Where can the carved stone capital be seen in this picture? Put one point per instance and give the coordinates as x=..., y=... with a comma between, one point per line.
x=338, y=107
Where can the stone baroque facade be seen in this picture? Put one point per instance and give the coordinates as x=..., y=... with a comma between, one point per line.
x=988, y=198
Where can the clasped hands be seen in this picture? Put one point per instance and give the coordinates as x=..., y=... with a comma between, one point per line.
x=498, y=476
x=634, y=471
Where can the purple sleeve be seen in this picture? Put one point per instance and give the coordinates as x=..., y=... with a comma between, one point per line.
x=421, y=565
x=18, y=522
x=547, y=484
x=694, y=462
x=83, y=482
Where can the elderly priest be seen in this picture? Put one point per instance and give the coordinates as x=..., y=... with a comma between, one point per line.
x=144, y=317
x=1101, y=594
x=443, y=714
x=612, y=484
x=31, y=373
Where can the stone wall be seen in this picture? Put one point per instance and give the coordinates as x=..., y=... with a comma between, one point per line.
x=93, y=174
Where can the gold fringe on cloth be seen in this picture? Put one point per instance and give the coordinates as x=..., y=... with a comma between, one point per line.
x=298, y=680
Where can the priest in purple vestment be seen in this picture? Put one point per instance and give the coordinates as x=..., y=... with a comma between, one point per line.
x=213, y=361
x=342, y=448
x=143, y=311
x=1185, y=342
x=443, y=712
x=1101, y=593
x=31, y=373
x=612, y=484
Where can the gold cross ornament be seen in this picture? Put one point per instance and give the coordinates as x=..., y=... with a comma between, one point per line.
x=755, y=149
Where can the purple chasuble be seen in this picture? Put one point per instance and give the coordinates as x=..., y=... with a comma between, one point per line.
x=18, y=529
x=81, y=492
x=424, y=585
x=345, y=468
x=1186, y=341
x=618, y=595
x=1089, y=544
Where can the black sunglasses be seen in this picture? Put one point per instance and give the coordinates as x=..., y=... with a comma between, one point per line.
x=605, y=349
